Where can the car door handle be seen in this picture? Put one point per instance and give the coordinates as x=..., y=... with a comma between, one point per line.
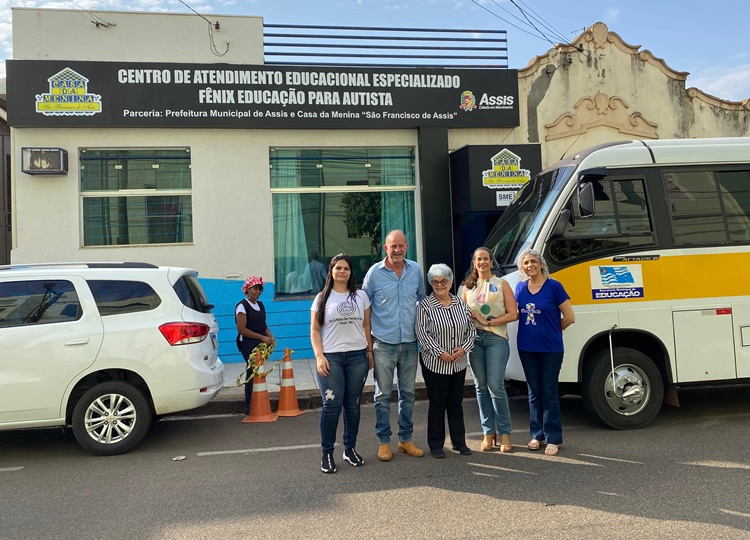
x=77, y=341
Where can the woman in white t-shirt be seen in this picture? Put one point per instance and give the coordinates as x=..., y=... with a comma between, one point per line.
x=341, y=340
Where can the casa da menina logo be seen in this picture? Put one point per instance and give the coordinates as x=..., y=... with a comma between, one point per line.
x=506, y=176
x=68, y=96
x=469, y=102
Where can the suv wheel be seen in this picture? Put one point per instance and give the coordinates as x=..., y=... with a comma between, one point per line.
x=111, y=418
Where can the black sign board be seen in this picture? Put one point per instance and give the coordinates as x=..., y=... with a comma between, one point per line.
x=485, y=178
x=45, y=93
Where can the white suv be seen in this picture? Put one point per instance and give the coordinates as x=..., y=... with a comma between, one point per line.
x=104, y=347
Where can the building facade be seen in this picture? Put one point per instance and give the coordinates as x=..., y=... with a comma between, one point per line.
x=180, y=149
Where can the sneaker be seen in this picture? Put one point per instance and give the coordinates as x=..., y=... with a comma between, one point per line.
x=437, y=453
x=327, y=465
x=351, y=455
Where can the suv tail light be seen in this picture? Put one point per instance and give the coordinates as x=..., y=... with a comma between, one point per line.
x=182, y=333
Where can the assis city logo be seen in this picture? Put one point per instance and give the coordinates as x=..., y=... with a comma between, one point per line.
x=469, y=101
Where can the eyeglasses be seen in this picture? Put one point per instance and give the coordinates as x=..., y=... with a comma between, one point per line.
x=441, y=283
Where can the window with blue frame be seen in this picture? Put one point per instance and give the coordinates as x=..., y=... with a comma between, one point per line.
x=136, y=196
x=337, y=200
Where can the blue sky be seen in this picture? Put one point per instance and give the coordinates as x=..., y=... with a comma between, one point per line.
x=709, y=40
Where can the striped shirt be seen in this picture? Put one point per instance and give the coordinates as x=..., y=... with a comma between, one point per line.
x=442, y=328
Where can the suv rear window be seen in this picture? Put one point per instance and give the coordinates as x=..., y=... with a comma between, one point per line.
x=38, y=302
x=191, y=294
x=115, y=297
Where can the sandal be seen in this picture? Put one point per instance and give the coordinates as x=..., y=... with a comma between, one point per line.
x=505, y=445
x=487, y=443
x=534, y=444
x=551, y=450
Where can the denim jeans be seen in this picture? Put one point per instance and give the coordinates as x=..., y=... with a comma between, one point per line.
x=402, y=358
x=342, y=390
x=542, y=372
x=488, y=361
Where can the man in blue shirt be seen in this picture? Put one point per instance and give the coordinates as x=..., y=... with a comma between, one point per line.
x=318, y=272
x=395, y=286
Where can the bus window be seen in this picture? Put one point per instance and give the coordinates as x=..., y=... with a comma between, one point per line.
x=621, y=222
x=735, y=193
x=708, y=208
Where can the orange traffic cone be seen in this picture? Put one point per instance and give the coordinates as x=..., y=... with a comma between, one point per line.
x=260, y=404
x=288, y=405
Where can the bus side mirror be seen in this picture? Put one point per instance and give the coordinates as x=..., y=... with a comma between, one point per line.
x=586, y=206
x=586, y=194
x=562, y=224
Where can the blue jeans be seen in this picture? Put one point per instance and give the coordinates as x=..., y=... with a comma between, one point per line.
x=488, y=360
x=342, y=390
x=542, y=375
x=402, y=358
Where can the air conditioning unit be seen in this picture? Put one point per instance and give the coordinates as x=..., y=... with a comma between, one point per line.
x=44, y=161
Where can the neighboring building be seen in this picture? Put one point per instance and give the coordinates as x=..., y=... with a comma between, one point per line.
x=180, y=151
x=5, y=214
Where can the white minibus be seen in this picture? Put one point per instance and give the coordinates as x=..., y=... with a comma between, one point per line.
x=651, y=239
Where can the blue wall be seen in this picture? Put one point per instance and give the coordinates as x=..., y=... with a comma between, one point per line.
x=289, y=320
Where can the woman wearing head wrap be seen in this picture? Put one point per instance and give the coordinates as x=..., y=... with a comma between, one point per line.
x=544, y=311
x=250, y=317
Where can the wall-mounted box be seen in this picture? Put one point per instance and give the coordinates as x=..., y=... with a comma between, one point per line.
x=44, y=161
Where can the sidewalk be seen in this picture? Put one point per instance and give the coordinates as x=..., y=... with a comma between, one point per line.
x=230, y=398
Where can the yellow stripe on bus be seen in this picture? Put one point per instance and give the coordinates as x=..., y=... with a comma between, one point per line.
x=671, y=277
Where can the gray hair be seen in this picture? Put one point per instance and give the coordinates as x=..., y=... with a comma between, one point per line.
x=440, y=270
x=533, y=253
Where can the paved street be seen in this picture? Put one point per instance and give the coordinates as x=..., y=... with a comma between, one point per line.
x=686, y=476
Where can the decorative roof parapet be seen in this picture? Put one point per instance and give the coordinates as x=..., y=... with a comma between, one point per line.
x=695, y=93
x=648, y=57
x=598, y=36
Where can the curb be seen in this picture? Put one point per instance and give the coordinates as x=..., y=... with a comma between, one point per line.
x=231, y=400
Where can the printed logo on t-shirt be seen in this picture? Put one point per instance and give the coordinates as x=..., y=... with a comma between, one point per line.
x=530, y=310
x=347, y=308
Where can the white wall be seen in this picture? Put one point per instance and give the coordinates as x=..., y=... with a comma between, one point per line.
x=135, y=37
x=232, y=216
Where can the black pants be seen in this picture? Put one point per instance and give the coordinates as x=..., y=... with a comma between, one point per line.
x=446, y=395
x=248, y=393
x=246, y=347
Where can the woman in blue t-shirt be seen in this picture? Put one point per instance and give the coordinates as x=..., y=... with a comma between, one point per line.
x=544, y=311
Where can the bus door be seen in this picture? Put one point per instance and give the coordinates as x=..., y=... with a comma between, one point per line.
x=742, y=339
x=741, y=316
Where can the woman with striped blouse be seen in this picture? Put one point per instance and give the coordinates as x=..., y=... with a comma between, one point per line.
x=446, y=332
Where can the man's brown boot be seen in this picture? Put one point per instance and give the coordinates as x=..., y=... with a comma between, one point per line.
x=409, y=449
x=384, y=452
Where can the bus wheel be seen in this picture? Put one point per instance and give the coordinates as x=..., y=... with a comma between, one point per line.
x=635, y=396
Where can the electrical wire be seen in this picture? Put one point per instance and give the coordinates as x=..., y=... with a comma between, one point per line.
x=98, y=21
x=211, y=28
x=538, y=18
x=199, y=15
x=504, y=20
x=532, y=24
x=529, y=19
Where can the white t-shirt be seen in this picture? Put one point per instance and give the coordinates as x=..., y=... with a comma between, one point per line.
x=343, y=329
